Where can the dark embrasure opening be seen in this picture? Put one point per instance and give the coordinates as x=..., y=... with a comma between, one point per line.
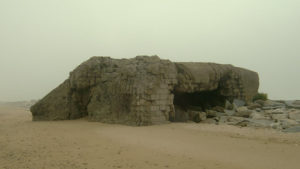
x=196, y=101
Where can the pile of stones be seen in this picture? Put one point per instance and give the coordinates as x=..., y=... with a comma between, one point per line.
x=279, y=115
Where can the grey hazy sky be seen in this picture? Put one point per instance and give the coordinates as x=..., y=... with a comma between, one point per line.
x=42, y=41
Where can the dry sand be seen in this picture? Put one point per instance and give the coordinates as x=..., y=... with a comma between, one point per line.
x=78, y=144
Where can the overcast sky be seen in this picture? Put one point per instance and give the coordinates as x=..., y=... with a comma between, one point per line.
x=42, y=41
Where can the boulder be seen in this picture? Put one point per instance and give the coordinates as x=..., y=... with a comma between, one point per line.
x=231, y=120
x=294, y=129
x=142, y=90
x=287, y=123
x=211, y=113
x=258, y=116
x=202, y=116
x=218, y=109
x=253, y=106
x=238, y=103
x=273, y=103
x=228, y=105
x=242, y=112
x=199, y=117
x=278, y=111
x=260, y=123
x=293, y=104
x=276, y=125
x=246, y=122
x=278, y=117
x=229, y=112
x=270, y=104
x=294, y=115
x=260, y=102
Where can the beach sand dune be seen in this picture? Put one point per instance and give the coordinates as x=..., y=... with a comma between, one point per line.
x=79, y=144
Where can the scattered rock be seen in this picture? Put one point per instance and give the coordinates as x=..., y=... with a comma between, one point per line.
x=199, y=117
x=279, y=111
x=260, y=123
x=239, y=103
x=273, y=103
x=292, y=129
x=253, y=106
x=269, y=105
x=229, y=112
x=296, y=102
x=223, y=119
x=243, y=123
x=241, y=109
x=278, y=117
x=211, y=113
x=293, y=104
x=294, y=115
x=276, y=126
x=209, y=121
x=218, y=109
x=258, y=116
x=219, y=114
x=202, y=116
x=242, y=112
x=228, y=105
x=232, y=120
x=260, y=102
x=287, y=123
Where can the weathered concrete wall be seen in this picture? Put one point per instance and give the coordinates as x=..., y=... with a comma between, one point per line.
x=233, y=82
x=138, y=91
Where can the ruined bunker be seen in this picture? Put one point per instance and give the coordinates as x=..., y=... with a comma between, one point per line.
x=144, y=90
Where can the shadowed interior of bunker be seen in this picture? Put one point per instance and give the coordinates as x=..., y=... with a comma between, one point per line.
x=195, y=101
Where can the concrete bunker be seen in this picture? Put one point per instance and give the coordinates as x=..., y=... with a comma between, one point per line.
x=144, y=91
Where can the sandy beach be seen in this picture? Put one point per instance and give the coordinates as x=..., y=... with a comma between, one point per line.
x=79, y=144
